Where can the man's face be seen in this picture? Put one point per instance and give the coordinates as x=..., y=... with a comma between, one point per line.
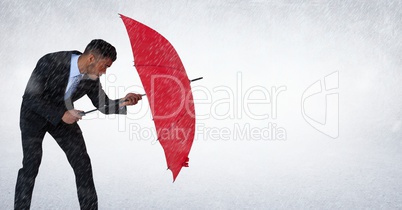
x=98, y=66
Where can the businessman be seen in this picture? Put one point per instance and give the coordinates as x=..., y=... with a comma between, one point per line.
x=57, y=81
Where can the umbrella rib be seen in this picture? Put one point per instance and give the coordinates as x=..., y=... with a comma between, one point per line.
x=160, y=66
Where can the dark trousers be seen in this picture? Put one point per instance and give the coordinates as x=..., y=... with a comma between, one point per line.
x=71, y=141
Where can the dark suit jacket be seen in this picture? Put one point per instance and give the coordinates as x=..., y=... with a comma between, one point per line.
x=47, y=85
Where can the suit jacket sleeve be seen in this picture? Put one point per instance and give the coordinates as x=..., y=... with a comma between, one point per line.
x=101, y=101
x=51, y=110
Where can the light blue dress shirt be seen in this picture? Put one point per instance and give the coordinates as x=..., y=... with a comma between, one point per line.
x=74, y=71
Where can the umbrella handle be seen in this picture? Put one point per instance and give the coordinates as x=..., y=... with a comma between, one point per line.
x=84, y=113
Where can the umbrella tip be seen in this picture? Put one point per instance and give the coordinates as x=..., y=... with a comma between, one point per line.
x=193, y=80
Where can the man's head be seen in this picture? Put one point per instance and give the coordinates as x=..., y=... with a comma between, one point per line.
x=97, y=57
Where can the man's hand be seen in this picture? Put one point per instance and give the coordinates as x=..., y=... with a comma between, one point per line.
x=131, y=99
x=71, y=116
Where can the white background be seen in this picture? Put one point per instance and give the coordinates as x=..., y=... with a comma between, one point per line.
x=259, y=43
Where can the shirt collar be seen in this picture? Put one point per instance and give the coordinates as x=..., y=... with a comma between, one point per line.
x=74, y=70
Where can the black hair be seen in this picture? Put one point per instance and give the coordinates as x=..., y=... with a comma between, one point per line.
x=102, y=48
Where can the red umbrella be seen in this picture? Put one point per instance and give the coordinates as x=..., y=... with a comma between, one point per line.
x=168, y=90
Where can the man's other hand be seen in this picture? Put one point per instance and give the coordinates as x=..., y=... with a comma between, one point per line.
x=71, y=116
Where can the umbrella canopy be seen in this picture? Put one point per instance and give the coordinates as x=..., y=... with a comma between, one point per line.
x=168, y=90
